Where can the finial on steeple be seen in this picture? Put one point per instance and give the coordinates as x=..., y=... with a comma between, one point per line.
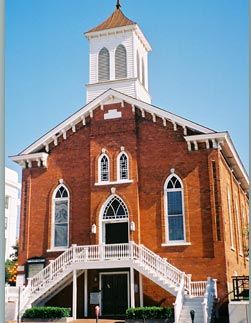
x=118, y=4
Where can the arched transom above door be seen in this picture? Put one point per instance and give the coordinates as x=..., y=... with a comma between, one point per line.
x=115, y=209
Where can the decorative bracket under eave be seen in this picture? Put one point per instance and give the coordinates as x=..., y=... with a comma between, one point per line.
x=26, y=160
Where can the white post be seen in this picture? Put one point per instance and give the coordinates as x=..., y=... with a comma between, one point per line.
x=141, y=295
x=86, y=294
x=74, y=294
x=132, y=287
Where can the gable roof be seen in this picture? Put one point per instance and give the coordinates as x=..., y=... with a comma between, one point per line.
x=203, y=133
x=117, y=19
x=101, y=99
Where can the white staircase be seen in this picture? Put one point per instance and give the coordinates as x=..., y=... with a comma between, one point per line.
x=53, y=277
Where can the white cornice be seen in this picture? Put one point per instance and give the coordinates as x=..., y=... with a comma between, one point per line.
x=116, y=30
x=223, y=140
x=88, y=109
x=24, y=160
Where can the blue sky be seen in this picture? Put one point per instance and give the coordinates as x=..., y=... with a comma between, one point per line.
x=198, y=68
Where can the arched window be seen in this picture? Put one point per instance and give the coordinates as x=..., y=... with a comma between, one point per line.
x=138, y=66
x=60, y=217
x=143, y=72
x=231, y=228
x=122, y=166
x=120, y=62
x=115, y=209
x=104, y=168
x=174, y=209
x=103, y=65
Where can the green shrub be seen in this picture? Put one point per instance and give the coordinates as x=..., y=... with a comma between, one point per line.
x=153, y=312
x=46, y=312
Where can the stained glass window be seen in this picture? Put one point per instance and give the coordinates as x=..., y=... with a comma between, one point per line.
x=115, y=209
x=123, y=166
x=104, y=169
x=61, y=217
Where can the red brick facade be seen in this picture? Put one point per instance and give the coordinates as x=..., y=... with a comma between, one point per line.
x=153, y=150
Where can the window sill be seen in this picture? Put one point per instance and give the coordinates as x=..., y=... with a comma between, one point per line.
x=57, y=250
x=127, y=181
x=176, y=244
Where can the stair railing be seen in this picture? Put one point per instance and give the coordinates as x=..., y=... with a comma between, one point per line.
x=179, y=299
x=198, y=288
x=159, y=266
x=45, y=276
x=209, y=299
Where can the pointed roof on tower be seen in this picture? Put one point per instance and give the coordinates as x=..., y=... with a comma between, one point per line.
x=117, y=19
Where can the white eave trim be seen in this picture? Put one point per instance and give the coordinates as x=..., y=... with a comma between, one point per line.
x=23, y=160
x=111, y=31
x=88, y=109
x=224, y=141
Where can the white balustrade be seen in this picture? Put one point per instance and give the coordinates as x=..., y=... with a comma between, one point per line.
x=150, y=261
x=198, y=288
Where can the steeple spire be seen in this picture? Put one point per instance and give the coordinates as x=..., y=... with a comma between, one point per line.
x=118, y=5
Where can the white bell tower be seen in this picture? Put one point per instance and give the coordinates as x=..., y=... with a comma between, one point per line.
x=118, y=58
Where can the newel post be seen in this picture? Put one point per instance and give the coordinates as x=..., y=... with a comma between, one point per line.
x=215, y=288
x=74, y=252
x=189, y=283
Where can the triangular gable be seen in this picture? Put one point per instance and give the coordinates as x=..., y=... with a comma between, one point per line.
x=88, y=109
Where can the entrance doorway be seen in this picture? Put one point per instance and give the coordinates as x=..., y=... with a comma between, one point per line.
x=114, y=217
x=114, y=293
x=116, y=233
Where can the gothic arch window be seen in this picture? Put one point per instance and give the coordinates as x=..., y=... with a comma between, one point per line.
x=115, y=209
x=174, y=210
x=122, y=166
x=103, y=168
x=230, y=215
x=120, y=62
x=138, y=66
x=60, y=217
x=143, y=72
x=104, y=65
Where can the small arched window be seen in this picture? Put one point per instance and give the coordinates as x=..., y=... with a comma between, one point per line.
x=174, y=209
x=104, y=65
x=123, y=166
x=60, y=217
x=104, y=168
x=143, y=72
x=120, y=62
x=138, y=66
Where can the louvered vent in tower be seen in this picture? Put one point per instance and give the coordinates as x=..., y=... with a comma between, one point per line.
x=120, y=62
x=103, y=65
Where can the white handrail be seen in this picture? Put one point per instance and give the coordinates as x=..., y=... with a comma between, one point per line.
x=179, y=299
x=61, y=266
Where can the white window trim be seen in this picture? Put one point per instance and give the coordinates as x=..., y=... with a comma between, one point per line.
x=238, y=228
x=99, y=169
x=167, y=241
x=127, y=181
x=230, y=219
x=118, y=168
x=59, y=248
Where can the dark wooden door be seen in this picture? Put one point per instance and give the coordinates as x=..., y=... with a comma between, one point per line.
x=114, y=294
x=116, y=233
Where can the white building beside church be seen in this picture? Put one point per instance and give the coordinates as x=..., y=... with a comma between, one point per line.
x=12, y=189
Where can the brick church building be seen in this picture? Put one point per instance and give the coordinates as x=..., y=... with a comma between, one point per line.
x=125, y=204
